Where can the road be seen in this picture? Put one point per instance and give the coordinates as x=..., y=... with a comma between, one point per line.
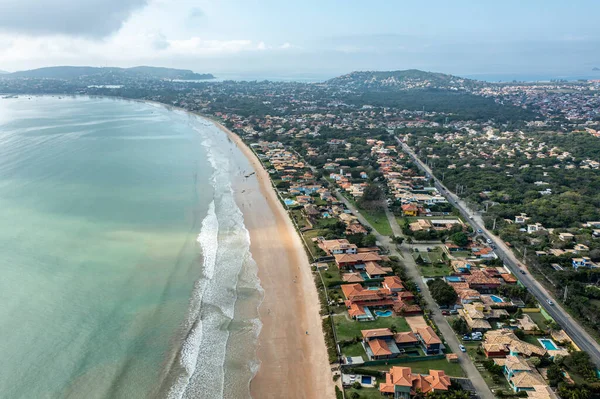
x=411, y=269
x=583, y=340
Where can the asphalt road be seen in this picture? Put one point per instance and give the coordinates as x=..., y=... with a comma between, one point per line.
x=583, y=340
x=411, y=268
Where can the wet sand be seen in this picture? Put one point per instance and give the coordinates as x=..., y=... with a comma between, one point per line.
x=294, y=364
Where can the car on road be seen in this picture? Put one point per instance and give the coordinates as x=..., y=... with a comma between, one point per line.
x=462, y=348
x=479, y=231
x=489, y=240
x=522, y=271
x=550, y=302
x=445, y=312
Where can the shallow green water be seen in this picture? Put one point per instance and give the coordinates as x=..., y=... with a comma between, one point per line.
x=101, y=203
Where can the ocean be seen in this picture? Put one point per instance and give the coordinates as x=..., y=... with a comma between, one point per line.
x=125, y=262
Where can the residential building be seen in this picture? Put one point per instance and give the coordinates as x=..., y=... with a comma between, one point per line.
x=402, y=383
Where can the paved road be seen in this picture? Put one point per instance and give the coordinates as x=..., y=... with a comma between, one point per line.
x=411, y=268
x=571, y=326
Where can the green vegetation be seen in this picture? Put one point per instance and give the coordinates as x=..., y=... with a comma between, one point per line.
x=348, y=329
x=442, y=292
x=423, y=367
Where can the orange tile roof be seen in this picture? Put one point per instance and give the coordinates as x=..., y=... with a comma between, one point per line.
x=428, y=335
x=403, y=376
x=405, y=337
x=393, y=283
x=379, y=347
x=357, y=258
x=377, y=332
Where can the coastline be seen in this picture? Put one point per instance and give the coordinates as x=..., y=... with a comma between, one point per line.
x=292, y=363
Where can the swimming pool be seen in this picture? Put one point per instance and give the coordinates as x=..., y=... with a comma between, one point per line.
x=373, y=288
x=496, y=299
x=366, y=380
x=454, y=279
x=383, y=313
x=548, y=344
x=289, y=201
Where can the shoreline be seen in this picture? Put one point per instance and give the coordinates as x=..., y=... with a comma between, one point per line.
x=292, y=363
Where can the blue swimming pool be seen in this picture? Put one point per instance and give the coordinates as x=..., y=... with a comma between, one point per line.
x=383, y=313
x=373, y=288
x=548, y=344
x=454, y=279
x=366, y=380
x=496, y=299
x=289, y=201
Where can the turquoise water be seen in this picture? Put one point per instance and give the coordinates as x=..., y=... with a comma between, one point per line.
x=496, y=299
x=383, y=313
x=122, y=253
x=548, y=344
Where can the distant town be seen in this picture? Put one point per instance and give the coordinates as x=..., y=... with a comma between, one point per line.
x=453, y=225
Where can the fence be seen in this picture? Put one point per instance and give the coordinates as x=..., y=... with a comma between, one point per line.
x=407, y=359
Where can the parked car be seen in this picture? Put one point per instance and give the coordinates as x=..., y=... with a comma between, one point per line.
x=445, y=312
x=522, y=271
x=479, y=231
x=489, y=241
x=466, y=338
x=454, y=311
x=462, y=348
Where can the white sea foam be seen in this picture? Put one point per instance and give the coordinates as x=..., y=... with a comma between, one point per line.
x=227, y=266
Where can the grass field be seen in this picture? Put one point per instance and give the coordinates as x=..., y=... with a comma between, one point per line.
x=364, y=393
x=423, y=367
x=378, y=220
x=355, y=350
x=309, y=235
x=346, y=328
x=435, y=270
x=539, y=319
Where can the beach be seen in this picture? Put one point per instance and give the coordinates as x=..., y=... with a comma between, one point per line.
x=291, y=347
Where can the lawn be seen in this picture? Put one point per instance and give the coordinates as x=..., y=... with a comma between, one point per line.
x=299, y=218
x=378, y=220
x=461, y=254
x=309, y=235
x=355, y=350
x=494, y=382
x=364, y=393
x=332, y=274
x=423, y=367
x=539, y=319
x=435, y=270
x=347, y=329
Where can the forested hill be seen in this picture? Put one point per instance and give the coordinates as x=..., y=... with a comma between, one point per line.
x=403, y=80
x=80, y=72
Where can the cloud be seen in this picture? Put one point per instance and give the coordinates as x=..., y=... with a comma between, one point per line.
x=86, y=18
x=195, y=13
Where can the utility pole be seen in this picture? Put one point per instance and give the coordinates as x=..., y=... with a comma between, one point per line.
x=494, y=226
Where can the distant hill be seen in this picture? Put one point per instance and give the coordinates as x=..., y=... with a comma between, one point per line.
x=403, y=80
x=3, y=72
x=595, y=69
x=81, y=72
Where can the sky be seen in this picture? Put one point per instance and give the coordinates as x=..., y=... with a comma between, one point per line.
x=304, y=38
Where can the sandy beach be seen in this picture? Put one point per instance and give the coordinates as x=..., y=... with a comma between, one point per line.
x=294, y=364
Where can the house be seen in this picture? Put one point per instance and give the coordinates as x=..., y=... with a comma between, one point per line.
x=359, y=259
x=481, y=281
x=336, y=247
x=410, y=209
x=521, y=219
x=394, y=284
x=356, y=228
x=485, y=253
x=566, y=236
x=374, y=270
x=382, y=343
x=402, y=383
x=534, y=228
x=582, y=262
x=461, y=266
x=500, y=343
x=520, y=376
x=474, y=316
x=429, y=339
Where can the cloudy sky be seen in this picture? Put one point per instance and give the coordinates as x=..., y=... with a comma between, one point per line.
x=323, y=37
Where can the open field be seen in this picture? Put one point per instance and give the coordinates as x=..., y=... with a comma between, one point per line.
x=348, y=329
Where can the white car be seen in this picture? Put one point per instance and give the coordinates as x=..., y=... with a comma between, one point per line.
x=550, y=302
x=489, y=241
x=462, y=348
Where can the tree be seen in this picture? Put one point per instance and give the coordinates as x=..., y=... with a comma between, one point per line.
x=398, y=240
x=369, y=240
x=535, y=361
x=460, y=325
x=460, y=239
x=442, y=292
x=555, y=375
